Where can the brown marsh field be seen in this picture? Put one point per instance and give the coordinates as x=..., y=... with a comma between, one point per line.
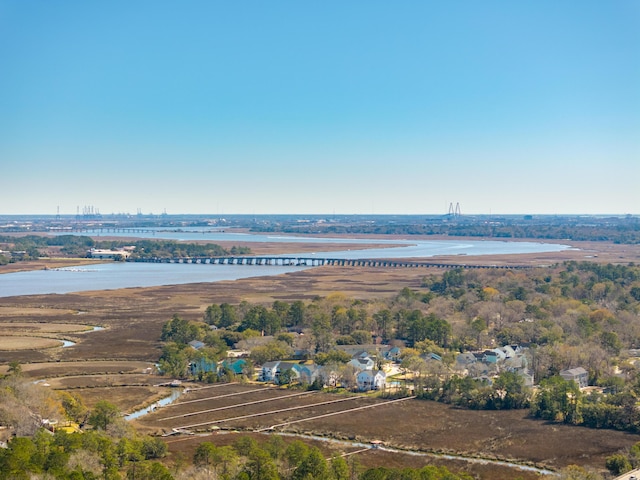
x=409, y=425
x=116, y=362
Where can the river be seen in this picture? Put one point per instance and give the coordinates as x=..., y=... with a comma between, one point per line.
x=117, y=275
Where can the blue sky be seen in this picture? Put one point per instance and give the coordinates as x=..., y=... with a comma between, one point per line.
x=320, y=107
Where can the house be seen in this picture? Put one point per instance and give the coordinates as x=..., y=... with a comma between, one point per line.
x=202, y=365
x=362, y=363
x=463, y=360
x=238, y=353
x=487, y=363
x=291, y=367
x=236, y=365
x=361, y=354
x=107, y=253
x=354, y=350
x=196, y=344
x=302, y=353
x=329, y=377
x=509, y=351
x=430, y=357
x=271, y=371
x=578, y=375
x=527, y=375
x=393, y=354
x=268, y=371
x=308, y=372
x=371, y=380
x=490, y=356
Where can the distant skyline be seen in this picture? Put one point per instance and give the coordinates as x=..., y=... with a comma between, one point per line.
x=211, y=107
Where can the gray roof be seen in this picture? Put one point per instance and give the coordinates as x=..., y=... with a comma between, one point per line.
x=574, y=371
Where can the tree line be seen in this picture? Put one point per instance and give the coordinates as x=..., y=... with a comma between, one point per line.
x=569, y=315
x=36, y=246
x=616, y=230
x=575, y=314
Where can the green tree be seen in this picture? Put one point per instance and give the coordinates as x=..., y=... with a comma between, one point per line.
x=558, y=400
x=180, y=331
x=129, y=450
x=362, y=337
x=153, y=447
x=383, y=320
x=174, y=360
x=260, y=466
x=295, y=316
x=281, y=309
x=148, y=471
x=274, y=350
x=313, y=466
x=511, y=392
x=322, y=334
x=276, y=447
x=618, y=464
x=287, y=338
x=226, y=460
x=332, y=356
x=228, y=315
x=103, y=415
x=254, y=319
x=205, y=455
x=611, y=342
x=296, y=452
x=340, y=468
x=74, y=407
x=213, y=314
x=17, y=458
x=245, y=445
x=287, y=377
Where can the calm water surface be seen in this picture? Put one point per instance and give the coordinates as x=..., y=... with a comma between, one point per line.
x=116, y=275
x=125, y=275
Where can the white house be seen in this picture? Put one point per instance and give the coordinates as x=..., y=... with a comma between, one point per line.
x=371, y=380
x=362, y=363
x=108, y=253
x=268, y=371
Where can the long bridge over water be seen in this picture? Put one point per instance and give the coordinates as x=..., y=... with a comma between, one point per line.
x=317, y=262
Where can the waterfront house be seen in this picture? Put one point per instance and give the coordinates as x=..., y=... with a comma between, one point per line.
x=268, y=371
x=236, y=365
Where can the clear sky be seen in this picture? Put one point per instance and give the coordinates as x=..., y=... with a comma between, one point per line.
x=528, y=106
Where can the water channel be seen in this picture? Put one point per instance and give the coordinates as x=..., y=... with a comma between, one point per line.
x=485, y=461
x=163, y=402
x=127, y=275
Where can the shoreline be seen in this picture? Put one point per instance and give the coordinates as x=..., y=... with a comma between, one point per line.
x=601, y=252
